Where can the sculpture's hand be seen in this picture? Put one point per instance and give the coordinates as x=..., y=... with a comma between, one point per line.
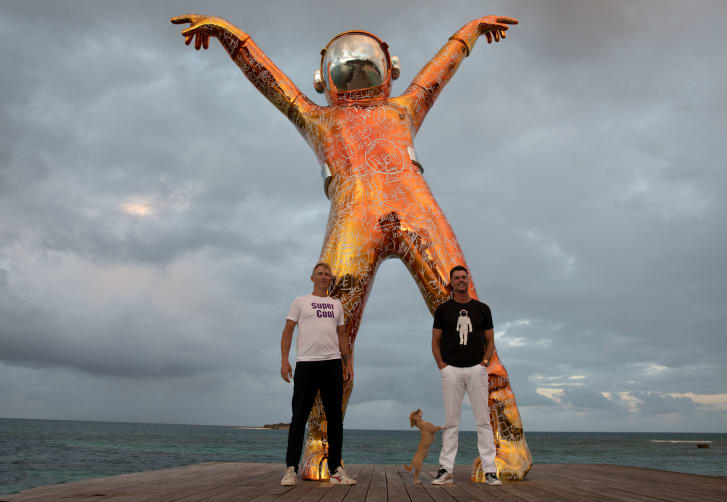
x=494, y=27
x=200, y=29
x=429, y=82
x=255, y=65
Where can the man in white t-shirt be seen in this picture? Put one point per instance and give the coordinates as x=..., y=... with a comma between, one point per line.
x=322, y=363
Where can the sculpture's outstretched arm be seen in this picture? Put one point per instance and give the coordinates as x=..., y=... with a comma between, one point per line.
x=257, y=67
x=426, y=86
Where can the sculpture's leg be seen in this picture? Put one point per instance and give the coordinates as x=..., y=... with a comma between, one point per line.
x=429, y=255
x=353, y=256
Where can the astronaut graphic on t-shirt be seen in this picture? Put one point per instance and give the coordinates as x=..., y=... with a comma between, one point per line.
x=464, y=326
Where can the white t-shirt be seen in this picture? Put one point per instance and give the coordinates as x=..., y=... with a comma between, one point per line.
x=317, y=318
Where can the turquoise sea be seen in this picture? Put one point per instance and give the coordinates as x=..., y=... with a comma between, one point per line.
x=41, y=452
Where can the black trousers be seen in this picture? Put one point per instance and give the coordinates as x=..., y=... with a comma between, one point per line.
x=309, y=378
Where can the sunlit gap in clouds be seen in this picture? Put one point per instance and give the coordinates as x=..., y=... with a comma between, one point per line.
x=137, y=208
x=156, y=204
x=554, y=387
x=506, y=334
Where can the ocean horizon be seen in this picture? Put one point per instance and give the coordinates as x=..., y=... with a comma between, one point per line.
x=262, y=426
x=36, y=452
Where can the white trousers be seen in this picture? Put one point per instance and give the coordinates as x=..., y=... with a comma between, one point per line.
x=455, y=381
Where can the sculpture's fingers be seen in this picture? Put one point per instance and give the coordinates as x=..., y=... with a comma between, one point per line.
x=188, y=32
x=496, y=34
x=184, y=18
x=188, y=40
x=198, y=41
x=507, y=20
x=502, y=34
x=493, y=28
x=206, y=42
x=489, y=37
x=187, y=18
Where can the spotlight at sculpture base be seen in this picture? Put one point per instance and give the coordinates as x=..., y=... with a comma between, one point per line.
x=513, y=462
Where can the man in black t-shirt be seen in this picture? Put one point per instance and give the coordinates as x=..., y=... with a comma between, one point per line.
x=463, y=342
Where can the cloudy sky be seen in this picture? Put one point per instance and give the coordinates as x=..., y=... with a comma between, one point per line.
x=158, y=215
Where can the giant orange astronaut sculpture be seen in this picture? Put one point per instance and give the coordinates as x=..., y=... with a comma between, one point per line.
x=381, y=205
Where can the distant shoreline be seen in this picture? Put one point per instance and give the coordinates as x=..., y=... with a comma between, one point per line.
x=279, y=426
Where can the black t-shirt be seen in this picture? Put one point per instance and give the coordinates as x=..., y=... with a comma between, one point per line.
x=463, y=328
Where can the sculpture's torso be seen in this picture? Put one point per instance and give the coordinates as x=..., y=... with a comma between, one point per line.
x=362, y=141
x=368, y=148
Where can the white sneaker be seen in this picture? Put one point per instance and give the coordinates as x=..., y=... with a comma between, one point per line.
x=341, y=478
x=290, y=478
x=443, y=477
x=492, y=479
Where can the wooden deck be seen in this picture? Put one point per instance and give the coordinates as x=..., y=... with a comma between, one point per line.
x=221, y=482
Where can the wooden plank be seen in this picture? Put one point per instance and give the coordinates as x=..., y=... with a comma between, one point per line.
x=650, y=483
x=234, y=494
x=395, y=490
x=310, y=491
x=268, y=484
x=357, y=493
x=165, y=484
x=707, y=484
x=202, y=485
x=628, y=489
x=596, y=489
x=573, y=494
x=661, y=484
x=312, y=495
x=416, y=491
x=457, y=491
x=540, y=487
x=506, y=493
x=377, y=488
x=543, y=489
x=337, y=493
x=483, y=494
x=251, y=486
x=216, y=484
x=588, y=489
x=128, y=490
x=208, y=494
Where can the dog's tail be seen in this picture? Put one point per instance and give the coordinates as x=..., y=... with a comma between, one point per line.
x=407, y=467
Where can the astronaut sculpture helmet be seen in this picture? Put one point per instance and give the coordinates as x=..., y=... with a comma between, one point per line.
x=356, y=65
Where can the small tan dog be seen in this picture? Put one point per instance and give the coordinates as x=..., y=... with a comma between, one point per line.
x=427, y=430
